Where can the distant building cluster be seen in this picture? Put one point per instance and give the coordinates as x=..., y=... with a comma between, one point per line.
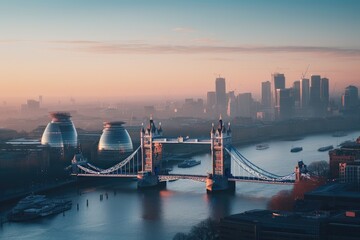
x=306, y=98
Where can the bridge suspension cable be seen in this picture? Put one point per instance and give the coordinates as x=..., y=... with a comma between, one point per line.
x=95, y=170
x=254, y=170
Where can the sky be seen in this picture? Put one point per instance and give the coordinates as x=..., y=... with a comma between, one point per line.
x=141, y=49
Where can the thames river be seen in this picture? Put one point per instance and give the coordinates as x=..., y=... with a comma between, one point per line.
x=126, y=213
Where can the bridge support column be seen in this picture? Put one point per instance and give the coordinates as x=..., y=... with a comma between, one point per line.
x=219, y=184
x=148, y=180
x=150, y=157
x=221, y=160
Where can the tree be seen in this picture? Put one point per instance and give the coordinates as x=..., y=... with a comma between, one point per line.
x=205, y=230
x=319, y=169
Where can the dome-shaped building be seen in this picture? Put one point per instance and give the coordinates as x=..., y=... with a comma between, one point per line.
x=115, y=143
x=60, y=132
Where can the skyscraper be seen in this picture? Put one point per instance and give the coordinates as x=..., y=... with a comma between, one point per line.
x=285, y=105
x=315, y=91
x=232, y=104
x=296, y=94
x=221, y=101
x=305, y=93
x=278, y=81
x=266, y=94
x=245, y=103
x=325, y=92
x=350, y=99
x=210, y=100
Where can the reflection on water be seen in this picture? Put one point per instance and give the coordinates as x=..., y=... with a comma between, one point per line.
x=151, y=201
x=219, y=204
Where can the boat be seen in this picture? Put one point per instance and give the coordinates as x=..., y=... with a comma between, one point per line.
x=347, y=143
x=339, y=134
x=188, y=163
x=296, y=149
x=262, y=146
x=326, y=148
x=36, y=206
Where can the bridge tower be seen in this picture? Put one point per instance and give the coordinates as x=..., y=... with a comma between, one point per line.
x=151, y=154
x=221, y=159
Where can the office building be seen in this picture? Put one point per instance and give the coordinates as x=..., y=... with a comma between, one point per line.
x=60, y=132
x=232, y=104
x=245, y=103
x=210, y=101
x=115, y=144
x=221, y=99
x=278, y=82
x=296, y=94
x=315, y=93
x=285, y=105
x=350, y=99
x=266, y=95
x=324, y=93
x=305, y=93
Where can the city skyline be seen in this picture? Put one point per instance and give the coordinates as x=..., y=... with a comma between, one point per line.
x=117, y=49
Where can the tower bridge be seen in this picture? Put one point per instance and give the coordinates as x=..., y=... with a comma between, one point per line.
x=145, y=163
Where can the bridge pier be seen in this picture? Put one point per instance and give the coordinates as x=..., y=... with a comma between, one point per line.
x=218, y=180
x=219, y=184
x=149, y=180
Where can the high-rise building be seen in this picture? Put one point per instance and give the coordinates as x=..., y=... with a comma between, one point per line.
x=324, y=92
x=210, y=100
x=296, y=94
x=232, y=104
x=266, y=94
x=285, y=104
x=315, y=90
x=245, y=102
x=305, y=93
x=221, y=100
x=350, y=99
x=278, y=81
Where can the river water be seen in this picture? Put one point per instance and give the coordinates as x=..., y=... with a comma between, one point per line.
x=126, y=213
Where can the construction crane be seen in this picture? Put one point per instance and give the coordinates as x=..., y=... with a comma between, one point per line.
x=304, y=73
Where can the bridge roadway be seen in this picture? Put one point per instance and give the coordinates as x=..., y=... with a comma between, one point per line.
x=181, y=140
x=199, y=178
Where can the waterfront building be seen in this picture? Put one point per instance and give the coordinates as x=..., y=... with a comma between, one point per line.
x=265, y=224
x=62, y=138
x=348, y=154
x=350, y=173
x=221, y=100
x=115, y=143
x=275, y=225
x=60, y=132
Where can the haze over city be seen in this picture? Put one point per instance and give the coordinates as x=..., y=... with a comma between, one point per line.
x=146, y=50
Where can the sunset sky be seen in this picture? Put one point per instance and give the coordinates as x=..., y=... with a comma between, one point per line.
x=88, y=49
